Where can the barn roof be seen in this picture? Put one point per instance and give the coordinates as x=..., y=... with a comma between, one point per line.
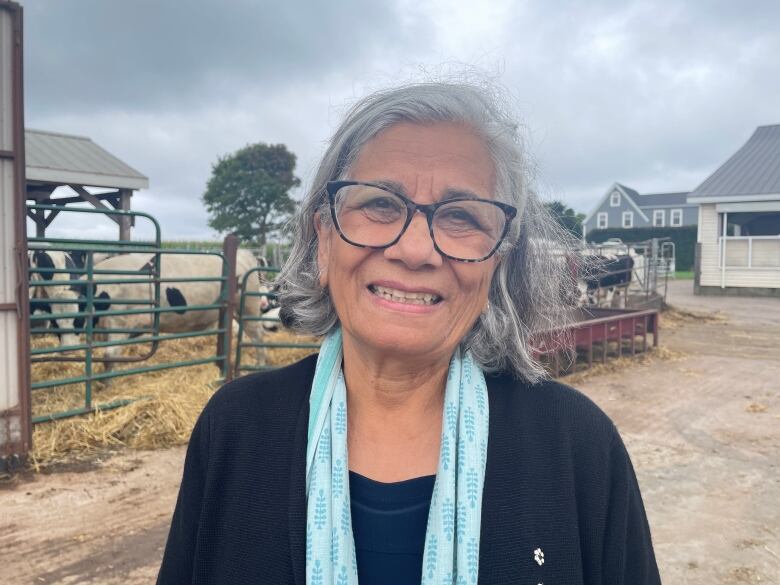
x=66, y=159
x=754, y=170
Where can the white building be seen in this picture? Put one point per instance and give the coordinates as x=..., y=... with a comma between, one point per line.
x=738, y=244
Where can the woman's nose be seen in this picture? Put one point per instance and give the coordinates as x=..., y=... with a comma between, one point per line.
x=415, y=248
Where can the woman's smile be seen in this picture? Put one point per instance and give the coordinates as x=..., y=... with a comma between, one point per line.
x=405, y=297
x=412, y=301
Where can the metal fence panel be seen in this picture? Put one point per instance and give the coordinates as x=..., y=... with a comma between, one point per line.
x=144, y=306
x=244, y=319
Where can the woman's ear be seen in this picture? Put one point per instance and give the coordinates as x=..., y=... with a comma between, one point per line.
x=323, y=248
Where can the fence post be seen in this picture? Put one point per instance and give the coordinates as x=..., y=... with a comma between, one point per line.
x=225, y=339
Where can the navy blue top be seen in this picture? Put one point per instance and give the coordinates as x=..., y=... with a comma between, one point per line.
x=389, y=521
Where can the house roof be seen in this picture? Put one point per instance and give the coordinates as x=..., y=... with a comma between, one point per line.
x=753, y=170
x=65, y=159
x=628, y=191
x=662, y=199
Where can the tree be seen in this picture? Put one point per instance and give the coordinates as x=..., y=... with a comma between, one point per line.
x=248, y=192
x=566, y=217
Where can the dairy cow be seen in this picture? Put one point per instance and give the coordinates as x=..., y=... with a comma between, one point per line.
x=56, y=296
x=606, y=273
x=176, y=295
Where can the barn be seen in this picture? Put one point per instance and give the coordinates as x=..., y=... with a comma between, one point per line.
x=738, y=243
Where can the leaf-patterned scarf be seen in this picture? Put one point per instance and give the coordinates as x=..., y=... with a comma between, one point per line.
x=452, y=537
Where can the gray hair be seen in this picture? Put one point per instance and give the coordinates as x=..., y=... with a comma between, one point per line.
x=533, y=285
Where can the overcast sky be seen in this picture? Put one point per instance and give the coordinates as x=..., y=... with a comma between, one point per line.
x=655, y=95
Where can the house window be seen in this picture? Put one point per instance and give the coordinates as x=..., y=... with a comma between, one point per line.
x=601, y=220
x=614, y=199
x=658, y=218
x=676, y=218
x=628, y=219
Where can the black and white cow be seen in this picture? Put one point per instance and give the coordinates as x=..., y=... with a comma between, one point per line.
x=272, y=313
x=79, y=257
x=270, y=308
x=607, y=273
x=56, y=296
x=177, y=295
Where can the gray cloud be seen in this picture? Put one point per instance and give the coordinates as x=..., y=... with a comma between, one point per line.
x=115, y=54
x=653, y=94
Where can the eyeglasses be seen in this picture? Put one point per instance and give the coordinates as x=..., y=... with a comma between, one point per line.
x=466, y=229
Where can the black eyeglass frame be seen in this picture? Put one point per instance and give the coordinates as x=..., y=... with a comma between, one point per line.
x=332, y=187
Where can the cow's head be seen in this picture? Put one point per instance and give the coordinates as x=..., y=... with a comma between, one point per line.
x=79, y=258
x=41, y=259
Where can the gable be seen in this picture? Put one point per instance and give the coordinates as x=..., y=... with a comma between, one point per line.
x=627, y=203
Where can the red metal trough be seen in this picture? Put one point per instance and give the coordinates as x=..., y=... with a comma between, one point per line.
x=600, y=326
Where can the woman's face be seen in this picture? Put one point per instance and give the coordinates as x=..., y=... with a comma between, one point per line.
x=371, y=288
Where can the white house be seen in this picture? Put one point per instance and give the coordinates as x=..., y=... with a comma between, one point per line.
x=738, y=244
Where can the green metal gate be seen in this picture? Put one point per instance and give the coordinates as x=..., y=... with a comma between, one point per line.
x=266, y=274
x=89, y=307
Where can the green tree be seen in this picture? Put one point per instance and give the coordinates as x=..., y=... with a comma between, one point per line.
x=248, y=192
x=566, y=216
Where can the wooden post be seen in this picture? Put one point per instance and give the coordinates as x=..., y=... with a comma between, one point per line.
x=590, y=347
x=723, y=250
x=656, y=328
x=40, y=224
x=125, y=222
x=224, y=340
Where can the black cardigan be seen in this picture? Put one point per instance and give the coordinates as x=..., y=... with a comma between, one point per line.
x=558, y=479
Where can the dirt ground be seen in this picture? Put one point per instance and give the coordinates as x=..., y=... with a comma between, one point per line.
x=702, y=427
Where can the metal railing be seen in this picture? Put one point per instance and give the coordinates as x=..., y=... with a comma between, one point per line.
x=757, y=252
x=246, y=319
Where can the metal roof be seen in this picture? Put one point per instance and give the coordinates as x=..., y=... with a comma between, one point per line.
x=677, y=198
x=661, y=199
x=65, y=159
x=628, y=191
x=753, y=170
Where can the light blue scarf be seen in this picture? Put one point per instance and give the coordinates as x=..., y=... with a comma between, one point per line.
x=452, y=539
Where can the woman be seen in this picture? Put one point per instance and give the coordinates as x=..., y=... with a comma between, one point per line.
x=424, y=444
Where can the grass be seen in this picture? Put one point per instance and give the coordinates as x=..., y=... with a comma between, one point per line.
x=684, y=275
